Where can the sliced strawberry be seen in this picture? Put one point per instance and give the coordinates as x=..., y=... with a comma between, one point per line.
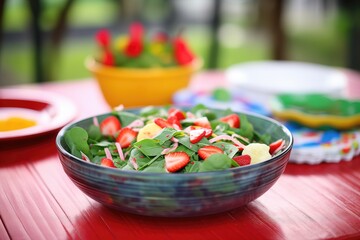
x=208, y=132
x=175, y=122
x=207, y=151
x=196, y=135
x=107, y=162
x=183, y=54
x=276, y=146
x=110, y=125
x=233, y=120
x=243, y=160
x=126, y=137
x=175, y=161
x=163, y=123
x=202, y=122
x=189, y=128
x=103, y=38
x=180, y=115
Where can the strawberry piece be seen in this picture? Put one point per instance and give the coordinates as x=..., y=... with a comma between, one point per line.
x=202, y=122
x=110, y=126
x=276, y=146
x=208, y=132
x=233, y=120
x=175, y=122
x=108, y=58
x=103, y=38
x=180, y=115
x=126, y=137
x=189, y=128
x=163, y=123
x=243, y=160
x=175, y=161
x=183, y=54
x=134, y=48
x=196, y=135
x=107, y=163
x=207, y=151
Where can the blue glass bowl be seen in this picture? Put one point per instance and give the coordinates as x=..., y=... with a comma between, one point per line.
x=177, y=195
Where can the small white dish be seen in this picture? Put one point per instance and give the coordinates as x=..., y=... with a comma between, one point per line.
x=261, y=80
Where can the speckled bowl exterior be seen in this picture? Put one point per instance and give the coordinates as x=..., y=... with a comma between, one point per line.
x=182, y=194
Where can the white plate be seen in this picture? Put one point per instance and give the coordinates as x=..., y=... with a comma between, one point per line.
x=260, y=81
x=49, y=110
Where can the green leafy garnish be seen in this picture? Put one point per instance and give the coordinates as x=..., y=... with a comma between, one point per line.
x=76, y=139
x=215, y=162
x=151, y=154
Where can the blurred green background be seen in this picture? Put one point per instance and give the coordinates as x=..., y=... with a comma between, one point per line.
x=315, y=31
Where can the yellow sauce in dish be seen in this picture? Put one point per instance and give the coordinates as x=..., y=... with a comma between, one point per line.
x=15, y=123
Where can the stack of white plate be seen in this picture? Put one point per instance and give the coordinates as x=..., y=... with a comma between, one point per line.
x=260, y=81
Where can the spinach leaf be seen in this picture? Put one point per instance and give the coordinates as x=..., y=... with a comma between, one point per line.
x=137, y=156
x=228, y=148
x=227, y=111
x=191, y=167
x=157, y=166
x=203, y=142
x=215, y=162
x=206, y=113
x=149, y=163
x=103, y=144
x=152, y=111
x=97, y=159
x=182, y=148
x=126, y=117
x=219, y=127
x=149, y=147
x=264, y=138
x=246, y=128
x=128, y=167
x=76, y=139
x=119, y=163
x=197, y=108
x=165, y=135
x=94, y=133
x=185, y=140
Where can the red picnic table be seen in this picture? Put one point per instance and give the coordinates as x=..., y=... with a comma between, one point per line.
x=38, y=200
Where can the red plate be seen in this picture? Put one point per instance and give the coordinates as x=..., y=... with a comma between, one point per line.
x=49, y=110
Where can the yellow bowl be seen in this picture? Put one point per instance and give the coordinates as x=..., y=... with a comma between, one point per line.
x=133, y=87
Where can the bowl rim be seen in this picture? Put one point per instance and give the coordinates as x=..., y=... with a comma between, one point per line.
x=116, y=171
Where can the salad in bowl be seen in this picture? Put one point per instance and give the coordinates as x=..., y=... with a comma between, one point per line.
x=172, y=140
x=174, y=162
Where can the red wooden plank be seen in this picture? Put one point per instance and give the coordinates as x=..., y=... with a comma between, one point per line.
x=3, y=232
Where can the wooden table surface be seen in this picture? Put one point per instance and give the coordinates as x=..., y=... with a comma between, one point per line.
x=39, y=201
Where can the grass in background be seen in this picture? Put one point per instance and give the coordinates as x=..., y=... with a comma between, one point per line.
x=70, y=64
x=323, y=46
